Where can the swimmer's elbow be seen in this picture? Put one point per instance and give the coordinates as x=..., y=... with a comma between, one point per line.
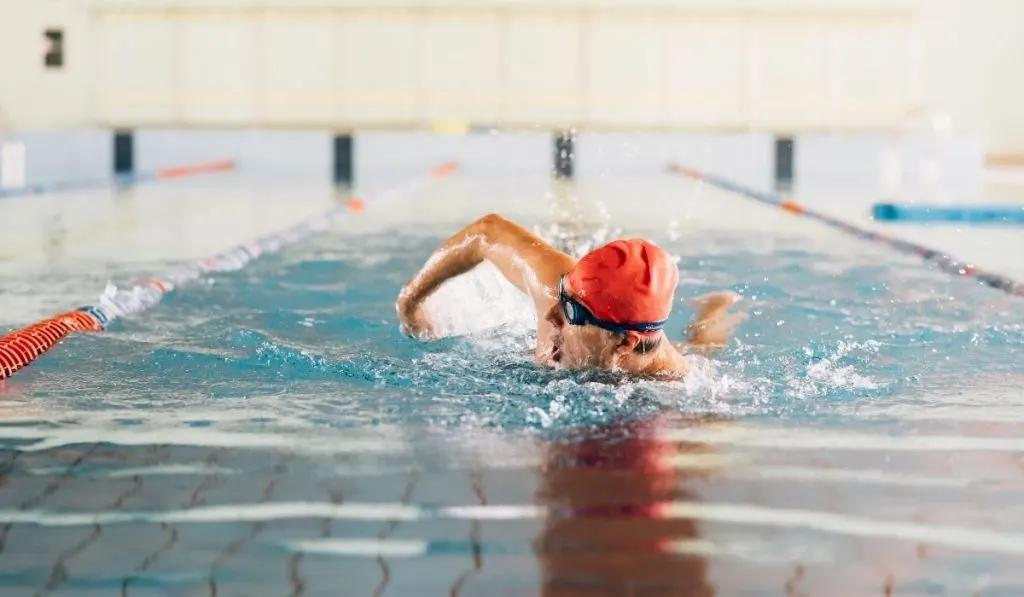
x=488, y=232
x=490, y=225
x=491, y=218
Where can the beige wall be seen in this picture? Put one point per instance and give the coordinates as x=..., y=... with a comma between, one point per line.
x=31, y=96
x=784, y=65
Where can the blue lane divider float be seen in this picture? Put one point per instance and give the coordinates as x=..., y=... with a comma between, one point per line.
x=971, y=214
x=122, y=180
x=944, y=262
x=21, y=347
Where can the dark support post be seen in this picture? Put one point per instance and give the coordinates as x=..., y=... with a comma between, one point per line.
x=784, y=163
x=565, y=154
x=343, y=158
x=124, y=153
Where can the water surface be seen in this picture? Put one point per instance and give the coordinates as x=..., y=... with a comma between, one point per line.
x=270, y=432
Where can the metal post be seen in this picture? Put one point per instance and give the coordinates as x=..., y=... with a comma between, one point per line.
x=565, y=154
x=784, y=163
x=343, y=158
x=124, y=153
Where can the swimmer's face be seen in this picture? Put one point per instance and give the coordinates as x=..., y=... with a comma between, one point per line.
x=580, y=346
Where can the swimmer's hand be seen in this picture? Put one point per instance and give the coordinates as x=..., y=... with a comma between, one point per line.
x=415, y=322
x=713, y=327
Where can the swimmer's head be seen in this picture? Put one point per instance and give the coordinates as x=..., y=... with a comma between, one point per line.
x=613, y=304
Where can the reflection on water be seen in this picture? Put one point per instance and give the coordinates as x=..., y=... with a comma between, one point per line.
x=607, y=532
x=657, y=504
x=703, y=505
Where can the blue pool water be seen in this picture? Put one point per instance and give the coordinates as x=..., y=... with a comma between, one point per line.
x=270, y=431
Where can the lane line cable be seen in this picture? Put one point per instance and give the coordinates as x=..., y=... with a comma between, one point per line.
x=21, y=347
x=945, y=262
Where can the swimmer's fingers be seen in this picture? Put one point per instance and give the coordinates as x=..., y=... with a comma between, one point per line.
x=713, y=303
x=418, y=325
x=713, y=327
x=715, y=330
x=711, y=311
x=419, y=333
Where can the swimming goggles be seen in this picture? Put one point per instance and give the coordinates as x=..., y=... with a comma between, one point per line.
x=577, y=314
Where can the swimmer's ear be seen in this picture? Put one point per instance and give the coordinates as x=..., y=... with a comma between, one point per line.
x=627, y=343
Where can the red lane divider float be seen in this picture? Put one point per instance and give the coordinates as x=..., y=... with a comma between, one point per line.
x=195, y=169
x=444, y=169
x=944, y=262
x=173, y=172
x=21, y=347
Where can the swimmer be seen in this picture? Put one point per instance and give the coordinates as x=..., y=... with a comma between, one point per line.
x=606, y=311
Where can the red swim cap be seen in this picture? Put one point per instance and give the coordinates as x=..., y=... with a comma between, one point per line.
x=625, y=281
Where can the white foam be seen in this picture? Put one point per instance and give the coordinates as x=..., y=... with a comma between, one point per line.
x=480, y=300
x=148, y=471
x=48, y=438
x=949, y=536
x=361, y=547
x=954, y=537
x=219, y=514
x=867, y=477
x=493, y=512
x=794, y=438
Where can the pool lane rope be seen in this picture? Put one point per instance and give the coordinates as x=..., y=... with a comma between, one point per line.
x=944, y=262
x=21, y=347
x=171, y=173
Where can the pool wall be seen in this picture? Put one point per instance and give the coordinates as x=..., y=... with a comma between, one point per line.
x=820, y=162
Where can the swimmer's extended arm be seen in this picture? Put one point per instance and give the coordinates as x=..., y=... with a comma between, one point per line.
x=530, y=264
x=711, y=330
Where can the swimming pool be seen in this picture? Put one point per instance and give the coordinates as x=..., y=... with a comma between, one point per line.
x=270, y=432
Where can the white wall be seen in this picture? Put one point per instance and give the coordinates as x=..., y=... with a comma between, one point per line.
x=716, y=69
x=725, y=65
x=52, y=156
x=31, y=96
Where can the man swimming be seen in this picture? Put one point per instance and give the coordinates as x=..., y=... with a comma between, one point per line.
x=605, y=311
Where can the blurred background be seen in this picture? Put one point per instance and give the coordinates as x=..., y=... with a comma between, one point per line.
x=284, y=86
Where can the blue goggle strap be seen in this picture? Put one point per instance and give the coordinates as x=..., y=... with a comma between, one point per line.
x=582, y=316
